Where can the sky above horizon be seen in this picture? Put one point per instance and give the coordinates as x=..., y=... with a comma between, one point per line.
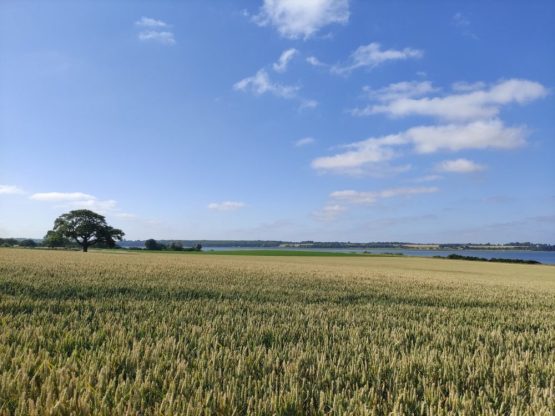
x=328, y=120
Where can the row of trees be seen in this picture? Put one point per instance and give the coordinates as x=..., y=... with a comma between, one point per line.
x=13, y=242
x=152, y=244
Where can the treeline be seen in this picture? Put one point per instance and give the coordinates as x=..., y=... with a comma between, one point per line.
x=492, y=260
x=49, y=241
x=206, y=243
x=345, y=245
x=506, y=246
x=18, y=242
x=152, y=244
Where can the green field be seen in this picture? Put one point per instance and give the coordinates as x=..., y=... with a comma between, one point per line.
x=109, y=333
x=286, y=253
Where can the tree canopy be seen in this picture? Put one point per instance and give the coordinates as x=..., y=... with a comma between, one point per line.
x=85, y=228
x=152, y=244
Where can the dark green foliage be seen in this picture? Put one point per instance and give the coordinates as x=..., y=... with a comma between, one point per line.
x=176, y=246
x=55, y=239
x=8, y=242
x=27, y=243
x=86, y=228
x=152, y=244
x=494, y=260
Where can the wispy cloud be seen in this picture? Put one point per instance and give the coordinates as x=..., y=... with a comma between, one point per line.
x=165, y=38
x=371, y=55
x=406, y=89
x=10, y=190
x=155, y=31
x=373, y=152
x=301, y=19
x=462, y=22
x=150, y=22
x=329, y=212
x=479, y=103
x=308, y=103
x=369, y=198
x=81, y=200
x=284, y=59
x=459, y=166
x=312, y=60
x=260, y=83
x=426, y=178
x=226, y=206
x=339, y=201
x=305, y=141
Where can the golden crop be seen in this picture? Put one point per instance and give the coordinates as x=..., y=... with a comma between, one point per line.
x=143, y=333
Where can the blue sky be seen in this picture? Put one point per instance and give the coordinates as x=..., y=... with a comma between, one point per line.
x=281, y=119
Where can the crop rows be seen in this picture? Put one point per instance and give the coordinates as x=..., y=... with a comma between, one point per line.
x=126, y=334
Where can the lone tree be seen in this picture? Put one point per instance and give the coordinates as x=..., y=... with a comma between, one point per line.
x=86, y=228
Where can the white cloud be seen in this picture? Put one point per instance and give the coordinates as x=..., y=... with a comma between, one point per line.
x=302, y=19
x=81, y=200
x=62, y=196
x=369, y=198
x=226, y=206
x=329, y=212
x=284, y=59
x=165, y=38
x=372, y=55
x=476, y=104
x=305, y=141
x=361, y=155
x=10, y=190
x=459, y=166
x=95, y=204
x=150, y=22
x=476, y=135
x=370, y=154
x=260, y=83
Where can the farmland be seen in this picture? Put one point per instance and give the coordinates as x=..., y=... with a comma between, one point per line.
x=117, y=333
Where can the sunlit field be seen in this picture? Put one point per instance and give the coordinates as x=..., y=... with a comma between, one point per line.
x=116, y=333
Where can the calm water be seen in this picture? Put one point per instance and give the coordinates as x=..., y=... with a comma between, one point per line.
x=546, y=257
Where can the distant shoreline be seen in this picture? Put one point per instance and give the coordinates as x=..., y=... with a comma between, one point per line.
x=274, y=244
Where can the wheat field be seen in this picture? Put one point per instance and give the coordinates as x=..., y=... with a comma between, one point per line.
x=127, y=333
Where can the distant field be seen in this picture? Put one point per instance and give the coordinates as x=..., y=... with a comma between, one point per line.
x=117, y=333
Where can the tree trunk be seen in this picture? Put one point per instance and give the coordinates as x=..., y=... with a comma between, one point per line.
x=85, y=248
